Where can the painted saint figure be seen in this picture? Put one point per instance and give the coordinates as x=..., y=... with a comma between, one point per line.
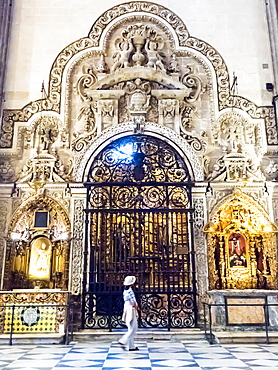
x=237, y=250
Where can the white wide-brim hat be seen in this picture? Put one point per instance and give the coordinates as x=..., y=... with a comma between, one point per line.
x=129, y=280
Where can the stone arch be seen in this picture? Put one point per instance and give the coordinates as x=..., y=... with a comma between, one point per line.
x=238, y=194
x=138, y=7
x=181, y=145
x=37, y=202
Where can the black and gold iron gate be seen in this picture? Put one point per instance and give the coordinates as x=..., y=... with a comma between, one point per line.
x=139, y=220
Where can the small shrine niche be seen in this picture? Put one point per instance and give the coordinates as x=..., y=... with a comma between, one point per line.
x=241, y=246
x=40, y=259
x=38, y=248
x=237, y=250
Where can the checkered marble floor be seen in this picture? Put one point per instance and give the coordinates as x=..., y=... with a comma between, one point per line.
x=152, y=355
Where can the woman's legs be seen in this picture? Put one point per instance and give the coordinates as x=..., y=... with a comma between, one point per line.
x=128, y=338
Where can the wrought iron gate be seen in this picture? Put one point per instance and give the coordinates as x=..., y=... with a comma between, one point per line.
x=136, y=225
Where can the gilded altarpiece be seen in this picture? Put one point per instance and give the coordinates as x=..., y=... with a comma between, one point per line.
x=38, y=248
x=241, y=246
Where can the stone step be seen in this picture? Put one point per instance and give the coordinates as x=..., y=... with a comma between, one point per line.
x=242, y=337
x=32, y=338
x=142, y=334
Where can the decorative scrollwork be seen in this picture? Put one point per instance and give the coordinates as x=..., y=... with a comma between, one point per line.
x=124, y=197
x=53, y=101
x=194, y=142
x=154, y=310
x=181, y=306
x=178, y=197
x=115, y=12
x=138, y=158
x=101, y=308
x=77, y=250
x=99, y=197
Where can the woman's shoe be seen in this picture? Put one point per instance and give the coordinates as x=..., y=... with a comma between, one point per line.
x=122, y=345
x=134, y=349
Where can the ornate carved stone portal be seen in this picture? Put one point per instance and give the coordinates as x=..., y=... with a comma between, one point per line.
x=241, y=246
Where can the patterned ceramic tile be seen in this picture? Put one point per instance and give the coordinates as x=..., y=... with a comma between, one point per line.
x=152, y=355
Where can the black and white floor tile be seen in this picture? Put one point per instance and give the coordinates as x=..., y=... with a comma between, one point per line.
x=152, y=355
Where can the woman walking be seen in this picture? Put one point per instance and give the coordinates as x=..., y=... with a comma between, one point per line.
x=130, y=315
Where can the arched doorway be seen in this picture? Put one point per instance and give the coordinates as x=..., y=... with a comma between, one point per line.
x=139, y=222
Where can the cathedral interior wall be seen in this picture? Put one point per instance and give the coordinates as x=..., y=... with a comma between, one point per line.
x=202, y=91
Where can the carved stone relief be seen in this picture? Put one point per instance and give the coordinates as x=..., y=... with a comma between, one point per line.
x=271, y=170
x=45, y=138
x=199, y=241
x=106, y=101
x=275, y=209
x=139, y=81
x=241, y=148
x=77, y=250
x=7, y=172
x=3, y=216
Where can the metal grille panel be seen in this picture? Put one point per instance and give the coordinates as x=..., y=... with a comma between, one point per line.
x=138, y=222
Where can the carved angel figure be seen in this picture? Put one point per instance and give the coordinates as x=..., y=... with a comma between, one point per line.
x=154, y=56
x=122, y=56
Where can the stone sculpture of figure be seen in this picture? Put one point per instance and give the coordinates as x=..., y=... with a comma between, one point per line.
x=235, y=136
x=154, y=57
x=101, y=65
x=47, y=138
x=122, y=56
x=42, y=258
x=174, y=66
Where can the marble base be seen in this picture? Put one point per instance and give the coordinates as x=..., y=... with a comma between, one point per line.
x=243, y=309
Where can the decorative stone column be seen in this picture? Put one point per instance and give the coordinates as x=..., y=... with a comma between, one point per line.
x=76, y=268
x=199, y=204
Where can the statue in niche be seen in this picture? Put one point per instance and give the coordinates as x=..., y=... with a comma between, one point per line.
x=237, y=250
x=47, y=137
x=122, y=56
x=154, y=56
x=236, y=137
x=7, y=172
x=39, y=267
